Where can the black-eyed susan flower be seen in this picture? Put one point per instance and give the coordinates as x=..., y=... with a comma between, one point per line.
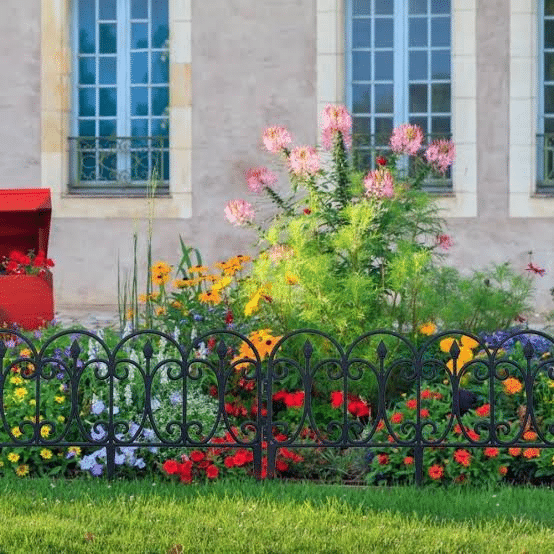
x=161, y=267
x=13, y=457
x=159, y=278
x=210, y=297
x=22, y=470
x=291, y=279
x=46, y=453
x=200, y=269
x=428, y=329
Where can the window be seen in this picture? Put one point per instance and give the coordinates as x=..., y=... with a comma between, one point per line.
x=398, y=71
x=120, y=121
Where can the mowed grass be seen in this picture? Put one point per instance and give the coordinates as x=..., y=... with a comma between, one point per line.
x=94, y=516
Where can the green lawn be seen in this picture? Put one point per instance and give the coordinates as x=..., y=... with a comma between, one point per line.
x=94, y=516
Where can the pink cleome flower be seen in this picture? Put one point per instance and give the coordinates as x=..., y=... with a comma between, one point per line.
x=239, y=212
x=444, y=241
x=379, y=183
x=441, y=153
x=304, y=161
x=406, y=139
x=258, y=178
x=276, y=138
x=336, y=119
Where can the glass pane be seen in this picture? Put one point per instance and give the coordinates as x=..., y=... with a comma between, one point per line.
x=139, y=67
x=106, y=9
x=166, y=166
x=87, y=101
x=383, y=32
x=361, y=7
x=440, y=31
x=160, y=26
x=548, y=125
x=548, y=67
x=420, y=122
x=383, y=130
x=160, y=67
x=418, y=31
x=418, y=66
x=383, y=66
x=549, y=99
x=139, y=165
x=549, y=34
x=87, y=26
x=548, y=7
x=418, y=98
x=139, y=127
x=108, y=128
x=418, y=6
x=158, y=164
x=384, y=99
x=87, y=71
x=384, y=7
x=440, y=126
x=139, y=9
x=160, y=128
x=361, y=98
x=107, y=70
x=139, y=35
x=160, y=100
x=440, y=64
x=87, y=128
x=108, y=101
x=361, y=33
x=107, y=170
x=440, y=6
x=361, y=127
x=440, y=97
x=361, y=66
x=88, y=166
x=107, y=33
x=139, y=101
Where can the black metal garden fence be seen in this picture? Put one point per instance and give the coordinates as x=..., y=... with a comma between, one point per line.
x=148, y=371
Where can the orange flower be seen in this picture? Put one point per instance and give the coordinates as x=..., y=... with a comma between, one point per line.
x=512, y=386
x=463, y=457
x=436, y=472
x=383, y=459
x=210, y=297
x=396, y=417
x=514, y=451
x=412, y=403
x=491, y=452
x=502, y=470
x=531, y=453
x=483, y=410
x=408, y=460
x=529, y=436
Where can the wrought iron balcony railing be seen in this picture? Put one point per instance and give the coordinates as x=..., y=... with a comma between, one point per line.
x=118, y=165
x=545, y=162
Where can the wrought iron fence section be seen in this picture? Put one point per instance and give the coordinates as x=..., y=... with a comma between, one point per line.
x=158, y=377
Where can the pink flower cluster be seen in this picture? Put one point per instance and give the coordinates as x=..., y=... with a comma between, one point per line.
x=276, y=139
x=441, y=153
x=379, y=183
x=406, y=139
x=304, y=161
x=239, y=212
x=444, y=241
x=258, y=178
x=336, y=119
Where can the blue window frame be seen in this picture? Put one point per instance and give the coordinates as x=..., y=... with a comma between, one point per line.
x=120, y=122
x=545, y=123
x=398, y=70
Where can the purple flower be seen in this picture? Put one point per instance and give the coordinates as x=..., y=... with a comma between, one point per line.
x=96, y=470
x=86, y=462
x=139, y=462
x=119, y=459
x=98, y=407
x=175, y=398
x=98, y=435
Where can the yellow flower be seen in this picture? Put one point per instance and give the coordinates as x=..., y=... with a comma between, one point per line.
x=161, y=267
x=512, y=385
x=446, y=344
x=17, y=380
x=468, y=342
x=25, y=353
x=142, y=298
x=22, y=470
x=129, y=314
x=160, y=278
x=242, y=258
x=465, y=356
x=197, y=269
x=45, y=454
x=45, y=431
x=428, y=329
x=61, y=418
x=20, y=392
x=264, y=343
x=13, y=457
x=253, y=304
x=176, y=304
x=16, y=432
x=32, y=402
x=209, y=278
x=210, y=297
x=291, y=279
x=74, y=450
x=160, y=310
x=222, y=283
x=59, y=399
x=182, y=283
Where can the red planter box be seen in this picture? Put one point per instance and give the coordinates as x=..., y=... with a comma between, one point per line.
x=25, y=214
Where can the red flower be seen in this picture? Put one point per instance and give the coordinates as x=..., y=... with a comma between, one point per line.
x=307, y=211
x=535, y=269
x=229, y=462
x=436, y=472
x=408, y=460
x=491, y=452
x=514, y=452
x=396, y=417
x=281, y=465
x=426, y=394
x=424, y=412
x=502, y=470
x=380, y=425
x=483, y=410
x=381, y=160
x=383, y=459
x=337, y=398
x=280, y=395
x=444, y=241
x=358, y=408
x=171, y=467
x=229, y=317
x=294, y=399
x=212, y=391
x=243, y=456
x=531, y=453
x=412, y=403
x=197, y=456
x=212, y=472
x=463, y=457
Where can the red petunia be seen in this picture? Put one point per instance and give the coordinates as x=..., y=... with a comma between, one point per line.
x=408, y=460
x=337, y=398
x=281, y=465
x=197, y=456
x=426, y=394
x=358, y=408
x=212, y=472
x=280, y=395
x=171, y=467
x=229, y=462
x=424, y=412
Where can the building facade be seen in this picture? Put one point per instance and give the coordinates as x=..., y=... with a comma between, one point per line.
x=207, y=77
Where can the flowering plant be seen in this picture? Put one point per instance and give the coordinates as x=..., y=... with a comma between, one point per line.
x=17, y=263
